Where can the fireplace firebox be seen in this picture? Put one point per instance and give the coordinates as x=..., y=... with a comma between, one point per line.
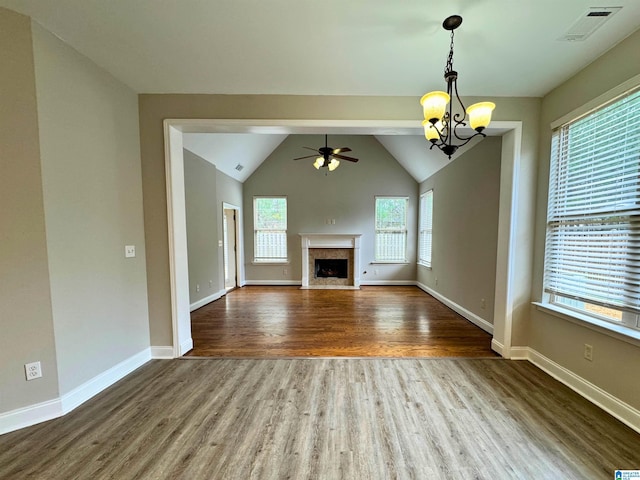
x=331, y=268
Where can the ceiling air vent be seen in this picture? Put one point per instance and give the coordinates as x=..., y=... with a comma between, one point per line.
x=588, y=23
x=239, y=167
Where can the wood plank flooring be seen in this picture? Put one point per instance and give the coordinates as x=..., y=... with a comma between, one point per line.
x=327, y=419
x=268, y=322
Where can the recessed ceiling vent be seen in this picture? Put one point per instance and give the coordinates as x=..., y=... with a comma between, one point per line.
x=588, y=23
x=239, y=167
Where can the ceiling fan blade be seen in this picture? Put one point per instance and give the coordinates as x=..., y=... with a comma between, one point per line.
x=308, y=156
x=309, y=148
x=341, y=149
x=348, y=159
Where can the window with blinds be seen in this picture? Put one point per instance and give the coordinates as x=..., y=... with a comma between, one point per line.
x=426, y=228
x=592, y=258
x=270, y=229
x=391, y=229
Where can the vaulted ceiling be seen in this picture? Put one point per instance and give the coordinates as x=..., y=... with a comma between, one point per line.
x=331, y=47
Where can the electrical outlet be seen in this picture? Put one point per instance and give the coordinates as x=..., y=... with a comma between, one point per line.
x=129, y=251
x=436, y=280
x=285, y=271
x=210, y=283
x=197, y=287
x=375, y=271
x=588, y=352
x=32, y=370
x=483, y=303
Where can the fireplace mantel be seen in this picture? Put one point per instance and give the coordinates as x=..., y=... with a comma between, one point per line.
x=330, y=240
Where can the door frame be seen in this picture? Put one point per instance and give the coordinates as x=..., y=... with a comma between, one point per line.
x=508, y=284
x=238, y=239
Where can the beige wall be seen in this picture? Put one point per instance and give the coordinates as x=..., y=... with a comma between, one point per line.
x=346, y=195
x=614, y=365
x=26, y=321
x=155, y=108
x=465, y=228
x=91, y=177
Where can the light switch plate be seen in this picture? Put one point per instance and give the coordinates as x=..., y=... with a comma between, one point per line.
x=129, y=251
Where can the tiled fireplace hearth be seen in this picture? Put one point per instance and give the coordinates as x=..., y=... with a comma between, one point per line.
x=334, y=246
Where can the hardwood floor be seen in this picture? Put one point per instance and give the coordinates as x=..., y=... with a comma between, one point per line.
x=273, y=322
x=327, y=419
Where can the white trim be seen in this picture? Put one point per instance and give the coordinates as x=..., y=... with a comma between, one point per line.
x=511, y=148
x=97, y=384
x=186, y=346
x=207, y=300
x=519, y=353
x=274, y=283
x=597, y=102
x=164, y=353
x=619, y=332
x=624, y=412
x=472, y=317
x=31, y=415
x=177, y=234
x=388, y=282
x=57, y=407
x=497, y=347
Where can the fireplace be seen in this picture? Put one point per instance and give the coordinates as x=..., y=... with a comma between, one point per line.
x=330, y=260
x=331, y=268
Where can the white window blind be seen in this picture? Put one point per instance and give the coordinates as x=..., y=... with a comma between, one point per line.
x=391, y=229
x=593, y=221
x=270, y=229
x=426, y=228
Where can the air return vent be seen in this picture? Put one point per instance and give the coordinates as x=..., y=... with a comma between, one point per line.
x=588, y=23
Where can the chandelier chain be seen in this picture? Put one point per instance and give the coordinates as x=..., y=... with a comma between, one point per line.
x=449, y=66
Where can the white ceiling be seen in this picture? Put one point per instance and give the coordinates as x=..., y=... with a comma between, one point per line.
x=329, y=47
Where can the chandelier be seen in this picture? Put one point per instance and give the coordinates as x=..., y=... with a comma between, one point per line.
x=441, y=125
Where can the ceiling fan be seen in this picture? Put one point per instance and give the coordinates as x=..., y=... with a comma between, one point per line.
x=328, y=156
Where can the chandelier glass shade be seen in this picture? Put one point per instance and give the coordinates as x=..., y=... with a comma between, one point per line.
x=440, y=122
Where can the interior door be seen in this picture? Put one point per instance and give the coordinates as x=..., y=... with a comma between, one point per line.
x=230, y=264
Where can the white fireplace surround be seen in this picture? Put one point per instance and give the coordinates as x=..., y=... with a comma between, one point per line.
x=330, y=240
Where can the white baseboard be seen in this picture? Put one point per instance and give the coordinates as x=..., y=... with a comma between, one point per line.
x=614, y=406
x=389, y=283
x=57, y=407
x=186, y=346
x=472, y=317
x=497, y=347
x=84, y=392
x=31, y=415
x=274, y=282
x=207, y=300
x=164, y=353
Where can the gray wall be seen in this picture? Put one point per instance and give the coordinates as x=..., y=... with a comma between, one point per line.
x=346, y=195
x=206, y=189
x=465, y=228
x=91, y=176
x=26, y=322
x=203, y=220
x=614, y=366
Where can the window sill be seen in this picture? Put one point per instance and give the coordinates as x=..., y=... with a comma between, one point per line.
x=618, y=332
x=283, y=262
x=424, y=265
x=389, y=262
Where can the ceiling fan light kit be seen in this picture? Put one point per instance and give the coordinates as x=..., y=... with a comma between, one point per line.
x=440, y=123
x=328, y=156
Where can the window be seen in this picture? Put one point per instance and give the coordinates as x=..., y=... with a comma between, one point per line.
x=270, y=229
x=426, y=224
x=391, y=229
x=592, y=259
